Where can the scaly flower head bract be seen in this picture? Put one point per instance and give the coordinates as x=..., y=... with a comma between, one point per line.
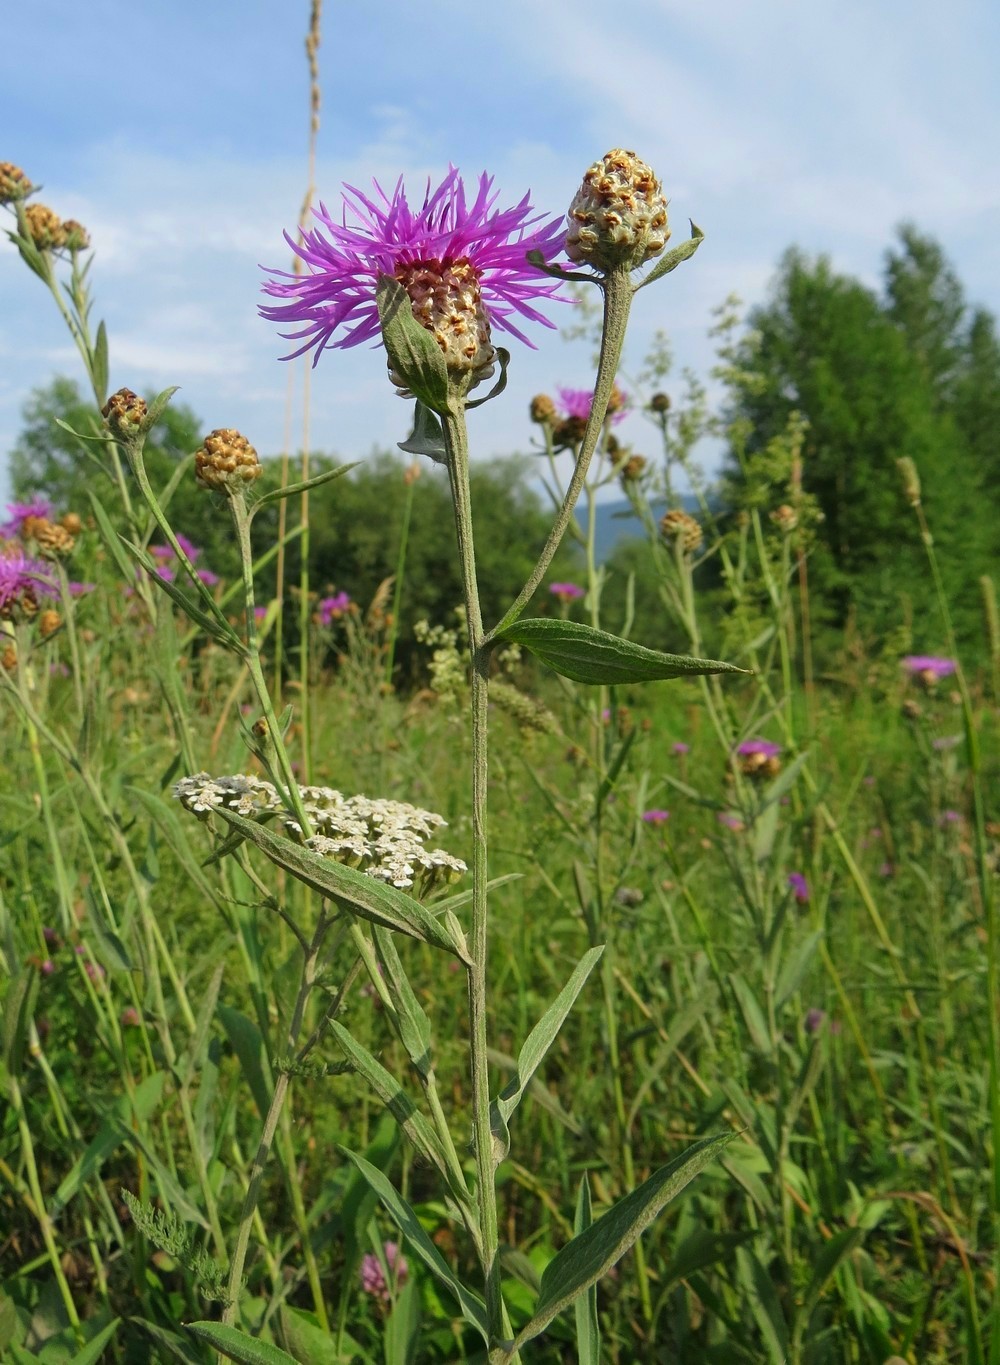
x=383, y=235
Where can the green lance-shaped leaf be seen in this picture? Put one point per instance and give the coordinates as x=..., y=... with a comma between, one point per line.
x=18, y=1009
x=410, y=1017
x=292, y=490
x=588, y=1327
x=367, y=898
x=589, y=1256
x=536, y=1045
x=413, y=353
x=125, y=1114
x=674, y=257
x=100, y=363
x=473, y=1308
x=595, y=656
x=238, y=1346
x=93, y=1352
x=393, y=1096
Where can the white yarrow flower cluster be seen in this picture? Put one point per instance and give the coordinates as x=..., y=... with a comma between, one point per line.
x=384, y=839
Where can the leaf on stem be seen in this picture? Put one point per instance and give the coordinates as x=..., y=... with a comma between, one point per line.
x=473, y=1308
x=533, y=1051
x=364, y=896
x=592, y=1253
x=674, y=257
x=238, y=1346
x=588, y=655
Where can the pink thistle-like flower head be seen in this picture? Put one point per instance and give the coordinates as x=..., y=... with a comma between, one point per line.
x=333, y=608
x=567, y=592
x=23, y=581
x=577, y=403
x=656, y=817
x=680, y=747
x=928, y=668
x=764, y=747
x=464, y=265
x=20, y=512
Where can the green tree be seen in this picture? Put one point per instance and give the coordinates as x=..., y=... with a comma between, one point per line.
x=875, y=379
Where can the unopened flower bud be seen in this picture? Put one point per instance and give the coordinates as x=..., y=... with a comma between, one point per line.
x=785, y=518
x=8, y=659
x=48, y=623
x=619, y=215
x=633, y=469
x=75, y=236
x=660, y=402
x=542, y=410
x=14, y=184
x=227, y=461
x=53, y=540
x=44, y=227
x=124, y=413
x=71, y=523
x=569, y=432
x=678, y=526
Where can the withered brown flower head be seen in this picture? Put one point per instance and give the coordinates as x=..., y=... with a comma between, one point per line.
x=542, y=410
x=619, y=215
x=227, y=461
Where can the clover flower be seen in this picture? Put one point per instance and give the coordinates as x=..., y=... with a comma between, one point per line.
x=373, y=1279
x=463, y=264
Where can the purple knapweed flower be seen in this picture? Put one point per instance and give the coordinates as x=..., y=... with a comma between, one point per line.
x=80, y=589
x=730, y=820
x=815, y=1019
x=333, y=608
x=21, y=511
x=47, y=967
x=447, y=245
x=656, y=817
x=373, y=1279
x=260, y=614
x=928, y=666
x=764, y=747
x=567, y=592
x=209, y=578
x=166, y=573
x=799, y=886
x=578, y=402
x=22, y=576
x=679, y=747
x=950, y=817
x=130, y=1017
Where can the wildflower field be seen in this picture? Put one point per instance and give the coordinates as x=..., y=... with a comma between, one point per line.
x=603, y=969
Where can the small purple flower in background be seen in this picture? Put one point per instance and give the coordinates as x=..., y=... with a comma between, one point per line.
x=50, y=935
x=567, y=592
x=260, y=614
x=679, y=747
x=333, y=608
x=167, y=574
x=887, y=869
x=928, y=668
x=130, y=1017
x=22, y=578
x=47, y=967
x=950, y=817
x=815, y=1019
x=21, y=511
x=80, y=589
x=209, y=578
x=373, y=1279
x=656, y=817
x=578, y=402
x=161, y=553
x=730, y=821
x=447, y=253
x=764, y=747
x=799, y=886
x=190, y=549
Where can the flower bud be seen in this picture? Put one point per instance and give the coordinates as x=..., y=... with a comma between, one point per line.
x=75, y=236
x=619, y=215
x=785, y=518
x=660, y=402
x=542, y=410
x=14, y=184
x=48, y=623
x=911, y=480
x=44, y=227
x=678, y=526
x=227, y=461
x=633, y=469
x=53, y=540
x=72, y=523
x=124, y=413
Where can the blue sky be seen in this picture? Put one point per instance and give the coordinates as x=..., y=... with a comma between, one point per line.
x=177, y=133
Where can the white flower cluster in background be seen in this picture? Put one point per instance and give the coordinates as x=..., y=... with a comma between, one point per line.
x=384, y=839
